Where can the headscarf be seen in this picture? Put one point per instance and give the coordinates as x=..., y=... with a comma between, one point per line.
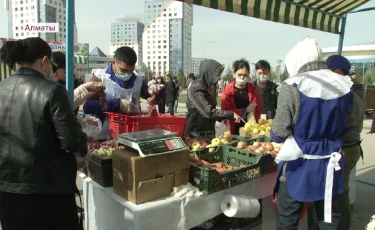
x=306, y=51
x=208, y=77
x=209, y=73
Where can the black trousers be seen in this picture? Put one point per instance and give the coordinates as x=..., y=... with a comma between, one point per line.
x=161, y=106
x=38, y=212
x=289, y=211
x=171, y=107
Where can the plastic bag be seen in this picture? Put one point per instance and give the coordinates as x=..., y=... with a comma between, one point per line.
x=92, y=126
x=221, y=127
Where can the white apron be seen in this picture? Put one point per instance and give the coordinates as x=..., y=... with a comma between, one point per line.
x=113, y=90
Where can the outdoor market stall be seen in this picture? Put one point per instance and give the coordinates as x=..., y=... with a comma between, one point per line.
x=106, y=210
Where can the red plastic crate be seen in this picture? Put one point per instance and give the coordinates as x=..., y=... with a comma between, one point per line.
x=121, y=123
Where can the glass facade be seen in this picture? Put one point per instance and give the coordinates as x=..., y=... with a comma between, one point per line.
x=176, y=46
x=126, y=31
x=360, y=64
x=47, y=14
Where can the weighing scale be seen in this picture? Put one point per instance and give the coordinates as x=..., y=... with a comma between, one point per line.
x=152, y=142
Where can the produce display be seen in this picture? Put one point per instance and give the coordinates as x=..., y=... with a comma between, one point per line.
x=262, y=127
x=104, y=149
x=220, y=167
x=272, y=148
x=197, y=143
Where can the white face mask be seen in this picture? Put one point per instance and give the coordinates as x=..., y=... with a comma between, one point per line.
x=123, y=76
x=240, y=81
x=263, y=78
x=158, y=80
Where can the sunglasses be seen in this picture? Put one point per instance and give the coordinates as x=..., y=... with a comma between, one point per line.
x=53, y=63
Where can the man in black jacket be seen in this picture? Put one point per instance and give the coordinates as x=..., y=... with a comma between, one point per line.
x=171, y=93
x=266, y=89
x=40, y=139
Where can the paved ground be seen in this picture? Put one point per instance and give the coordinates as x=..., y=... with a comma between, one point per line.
x=365, y=194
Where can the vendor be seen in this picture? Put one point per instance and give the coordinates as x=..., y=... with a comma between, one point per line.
x=352, y=150
x=309, y=163
x=266, y=89
x=240, y=95
x=122, y=87
x=201, y=102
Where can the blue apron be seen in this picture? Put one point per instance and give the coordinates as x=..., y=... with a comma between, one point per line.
x=315, y=174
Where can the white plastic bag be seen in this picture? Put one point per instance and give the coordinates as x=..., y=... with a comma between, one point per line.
x=92, y=126
x=221, y=127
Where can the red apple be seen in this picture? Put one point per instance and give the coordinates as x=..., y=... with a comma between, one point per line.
x=203, y=143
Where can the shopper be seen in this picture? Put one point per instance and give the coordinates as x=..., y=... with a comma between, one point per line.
x=171, y=95
x=179, y=89
x=309, y=163
x=240, y=95
x=201, y=102
x=163, y=93
x=40, y=138
x=266, y=89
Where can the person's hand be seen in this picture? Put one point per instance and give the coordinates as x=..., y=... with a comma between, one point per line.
x=237, y=118
x=154, y=89
x=93, y=87
x=251, y=108
x=126, y=106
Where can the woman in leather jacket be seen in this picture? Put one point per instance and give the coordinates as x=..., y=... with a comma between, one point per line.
x=40, y=139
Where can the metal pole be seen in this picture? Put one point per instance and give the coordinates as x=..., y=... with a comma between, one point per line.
x=88, y=59
x=342, y=35
x=70, y=49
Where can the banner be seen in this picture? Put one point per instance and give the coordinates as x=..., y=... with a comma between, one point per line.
x=79, y=48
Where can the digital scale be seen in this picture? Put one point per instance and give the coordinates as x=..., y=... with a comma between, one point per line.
x=152, y=142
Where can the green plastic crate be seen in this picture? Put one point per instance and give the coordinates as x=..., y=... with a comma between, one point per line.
x=208, y=180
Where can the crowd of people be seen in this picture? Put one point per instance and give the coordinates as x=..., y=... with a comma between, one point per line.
x=317, y=113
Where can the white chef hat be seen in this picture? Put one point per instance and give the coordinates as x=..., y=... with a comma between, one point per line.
x=305, y=51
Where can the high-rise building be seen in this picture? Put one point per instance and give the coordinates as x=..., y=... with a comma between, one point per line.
x=24, y=12
x=127, y=32
x=195, y=64
x=167, y=37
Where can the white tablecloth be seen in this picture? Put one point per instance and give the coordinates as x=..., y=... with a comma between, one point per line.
x=104, y=210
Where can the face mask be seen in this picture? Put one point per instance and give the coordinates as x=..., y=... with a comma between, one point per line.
x=159, y=80
x=263, y=78
x=123, y=76
x=241, y=81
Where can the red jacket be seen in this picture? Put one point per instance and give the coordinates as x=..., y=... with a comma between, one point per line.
x=228, y=100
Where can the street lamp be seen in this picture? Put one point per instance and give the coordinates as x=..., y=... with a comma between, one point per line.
x=279, y=70
x=206, y=48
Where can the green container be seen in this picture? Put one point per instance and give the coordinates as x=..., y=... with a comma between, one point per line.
x=208, y=180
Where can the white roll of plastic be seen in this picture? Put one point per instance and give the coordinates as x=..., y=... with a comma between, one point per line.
x=240, y=206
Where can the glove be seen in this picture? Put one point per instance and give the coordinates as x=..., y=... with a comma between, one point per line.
x=251, y=108
x=126, y=106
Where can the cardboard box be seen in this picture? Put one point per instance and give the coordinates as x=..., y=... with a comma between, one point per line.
x=142, y=179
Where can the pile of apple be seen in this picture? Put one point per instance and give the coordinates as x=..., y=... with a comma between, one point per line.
x=220, y=167
x=262, y=127
x=261, y=147
x=197, y=143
